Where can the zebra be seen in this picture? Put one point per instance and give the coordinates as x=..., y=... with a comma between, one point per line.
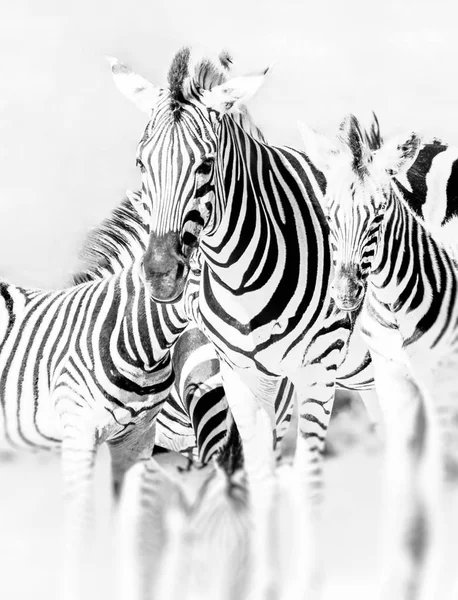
x=90, y=364
x=194, y=420
x=388, y=261
x=211, y=180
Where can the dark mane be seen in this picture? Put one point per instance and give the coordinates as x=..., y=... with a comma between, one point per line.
x=114, y=244
x=179, y=70
x=205, y=75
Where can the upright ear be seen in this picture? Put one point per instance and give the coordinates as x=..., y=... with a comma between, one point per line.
x=398, y=154
x=319, y=149
x=137, y=89
x=238, y=90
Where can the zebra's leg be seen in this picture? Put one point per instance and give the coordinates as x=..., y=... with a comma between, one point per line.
x=137, y=444
x=286, y=418
x=78, y=461
x=441, y=398
x=404, y=520
x=252, y=406
x=315, y=388
x=141, y=530
x=372, y=405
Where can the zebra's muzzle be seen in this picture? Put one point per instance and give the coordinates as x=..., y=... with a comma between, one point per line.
x=165, y=268
x=348, y=304
x=348, y=288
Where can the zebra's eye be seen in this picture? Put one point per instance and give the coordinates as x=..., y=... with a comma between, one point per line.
x=139, y=163
x=205, y=166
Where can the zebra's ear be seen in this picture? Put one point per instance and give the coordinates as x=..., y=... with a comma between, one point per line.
x=319, y=149
x=137, y=89
x=398, y=154
x=229, y=94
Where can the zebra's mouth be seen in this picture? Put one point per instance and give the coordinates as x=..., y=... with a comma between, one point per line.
x=348, y=304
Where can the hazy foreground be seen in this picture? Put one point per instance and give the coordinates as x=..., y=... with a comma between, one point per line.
x=31, y=509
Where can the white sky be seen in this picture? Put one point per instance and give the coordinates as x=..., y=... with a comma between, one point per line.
x=68, y=138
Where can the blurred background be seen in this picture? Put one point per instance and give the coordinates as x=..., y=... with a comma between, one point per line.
x=67, y=154
x=68, y=138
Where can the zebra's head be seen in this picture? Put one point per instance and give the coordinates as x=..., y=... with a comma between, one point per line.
x=177, y=157
x=359, y=169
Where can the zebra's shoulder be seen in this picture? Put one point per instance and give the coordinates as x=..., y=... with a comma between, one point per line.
x=115, y=244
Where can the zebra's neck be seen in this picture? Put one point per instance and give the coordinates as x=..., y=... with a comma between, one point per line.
x=268, y=261
x=412, y=274
x=145, y=330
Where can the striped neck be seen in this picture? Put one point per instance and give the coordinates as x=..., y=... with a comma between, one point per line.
x=411, y=273
x=270, y=245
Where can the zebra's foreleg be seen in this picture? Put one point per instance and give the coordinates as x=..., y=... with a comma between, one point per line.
x=141, y=530
x=125, y=451
x=441, y=400
x=315, y=388
x=405, y=523
x=78, y=459
x=252, y=406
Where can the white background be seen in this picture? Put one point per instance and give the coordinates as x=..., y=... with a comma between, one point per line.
x=68, y=138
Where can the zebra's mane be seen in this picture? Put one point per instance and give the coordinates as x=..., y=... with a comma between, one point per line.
x=186, y=77
x=361, y=141
x=115, y=244
x=204, y=72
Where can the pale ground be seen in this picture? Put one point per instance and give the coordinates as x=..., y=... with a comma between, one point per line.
x=30, y=513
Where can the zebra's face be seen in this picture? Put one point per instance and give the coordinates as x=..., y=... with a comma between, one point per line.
x=359, y=169
x=177, y=162
x=355, y=217
x=178, y=159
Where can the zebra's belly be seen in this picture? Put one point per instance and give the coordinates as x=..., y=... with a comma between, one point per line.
x=27, y=416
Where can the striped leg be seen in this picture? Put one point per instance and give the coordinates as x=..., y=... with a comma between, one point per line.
x=405, y=522
x=254, y=414
x=138, y=444
x=315, y=386
x=441, y=399
x=141, y=533
x=78, y=458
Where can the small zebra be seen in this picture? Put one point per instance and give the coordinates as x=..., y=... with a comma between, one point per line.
x=91, y=364
x=387, y=260
x=264, y=301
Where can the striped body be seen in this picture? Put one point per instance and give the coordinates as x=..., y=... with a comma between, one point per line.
x=82, y=366
x=96, y=354
x=91, y=364
x=430, y=185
